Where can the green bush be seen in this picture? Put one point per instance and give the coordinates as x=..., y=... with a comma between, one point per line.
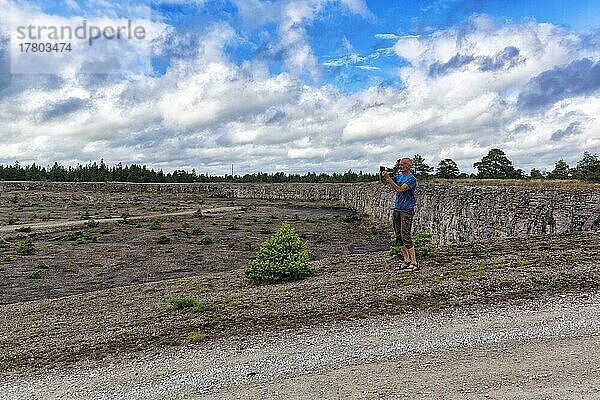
x=163, y=239
x=197, y=231
x=284, y=256
x=155, y=226
x=206, y=240
x=34, y=274
x=423, y=246
x=26, y=247
x=81, y=237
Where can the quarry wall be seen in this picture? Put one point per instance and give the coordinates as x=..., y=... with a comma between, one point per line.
x=453, y=213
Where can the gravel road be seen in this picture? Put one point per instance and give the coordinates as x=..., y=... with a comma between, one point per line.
x=544, y=349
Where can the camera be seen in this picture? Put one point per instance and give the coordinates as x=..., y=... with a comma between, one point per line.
x=381, y=169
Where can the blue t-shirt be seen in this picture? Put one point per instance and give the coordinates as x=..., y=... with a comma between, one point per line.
x=405, y=201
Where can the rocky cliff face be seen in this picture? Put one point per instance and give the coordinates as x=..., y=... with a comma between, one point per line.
x=453, y=213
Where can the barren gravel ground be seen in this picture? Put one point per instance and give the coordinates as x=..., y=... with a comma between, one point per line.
x=544, y=349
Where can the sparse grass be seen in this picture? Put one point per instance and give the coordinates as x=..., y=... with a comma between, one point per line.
x=264, y=230
x=353, y=218
x=231, y=226
x=7, y=258
x=196, y=337
x=40, y=264
x=95, y=264
x=182, y=303
x=284, y=323
x=107, y=230
x=11, y=220
x=392, y=299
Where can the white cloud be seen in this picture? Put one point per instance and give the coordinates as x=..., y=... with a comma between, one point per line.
x=387, y=36
x=206, y=112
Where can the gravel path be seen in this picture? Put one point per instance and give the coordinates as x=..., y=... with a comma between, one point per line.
x=541, y=350
x=58, y=225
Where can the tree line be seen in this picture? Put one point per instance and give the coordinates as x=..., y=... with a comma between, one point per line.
x=494, y=165
x=100, y=172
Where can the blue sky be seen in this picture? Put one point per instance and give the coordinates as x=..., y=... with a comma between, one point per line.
x=307, y=85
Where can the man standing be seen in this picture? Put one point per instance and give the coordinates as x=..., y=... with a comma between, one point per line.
x=404, y=184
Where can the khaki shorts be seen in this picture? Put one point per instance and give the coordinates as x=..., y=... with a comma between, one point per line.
x=402, y=222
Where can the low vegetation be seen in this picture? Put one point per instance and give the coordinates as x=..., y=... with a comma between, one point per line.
x=26, y=247
x=283, y=257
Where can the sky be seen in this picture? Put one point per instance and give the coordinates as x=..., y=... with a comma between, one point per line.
x=300, y=86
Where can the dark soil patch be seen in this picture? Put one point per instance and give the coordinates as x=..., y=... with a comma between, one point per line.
x=133, y=252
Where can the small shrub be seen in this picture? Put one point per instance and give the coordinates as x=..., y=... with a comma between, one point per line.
x=247, y=245
x=24, y=229
x=206, y=240
x=284, y=256
x=12, y=220
x=81, y=237
x=163, y=239
x=155, y=226
x=198, y=213
x=197, y=231
x=26, y=247
x=125, y=215
x=231, y=245
x=7, y=258
x=91, y=223
x=34, y=274
x=352, y=218
x=39, y=264
x=423, y=246
x=46, y=217
x=231, y=226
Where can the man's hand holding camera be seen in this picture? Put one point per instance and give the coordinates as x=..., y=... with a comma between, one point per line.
x=386, y=177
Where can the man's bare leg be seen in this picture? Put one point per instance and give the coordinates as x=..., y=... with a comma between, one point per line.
x=413, y=256
x=406, y=254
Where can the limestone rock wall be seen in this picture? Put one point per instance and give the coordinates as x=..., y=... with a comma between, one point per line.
x=453, y=213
